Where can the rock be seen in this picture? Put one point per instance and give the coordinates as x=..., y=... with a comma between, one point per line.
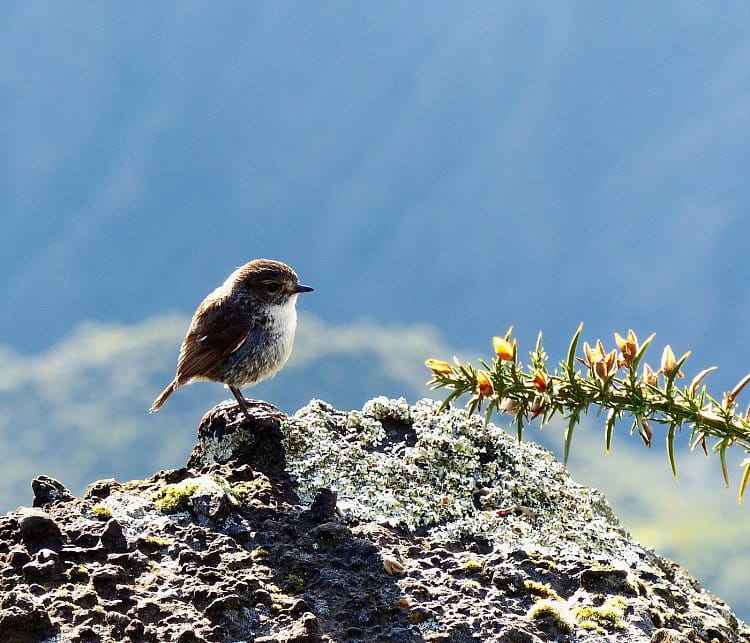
x=517, y=635
x=39, y=530
x=665, y=635
x=133, y=563
x=262, y=597
x=19, y=626
x=24, y=620
x=46, y=568
x=606, y=581
x=147, y=610
x=135, y=630
x=102, y=488
x=106, y=578
x=280, y=532
x=306, y=630
x=211, y=506
x=112, y=538
x=47, y=490
x=86, y=600
x=220, y=606
x=23, y=600
x=117, y=624
x=256, y=443
x=17, y=558
x=86, y=536
x=84, y=634
x=187, y=635
x=323, y=507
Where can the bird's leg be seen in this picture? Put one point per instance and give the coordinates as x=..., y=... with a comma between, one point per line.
x=272, y=411
x=240, y=400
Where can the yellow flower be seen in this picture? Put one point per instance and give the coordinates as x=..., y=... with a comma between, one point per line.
x=607, y=366
x=438, y=366
x=628, y=347
x=484, y=386
x=603, y=364
x=504, y=349
x=593, y=354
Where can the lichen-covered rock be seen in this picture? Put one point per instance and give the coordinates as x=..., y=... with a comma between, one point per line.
x=391, y=523
x=48, y=490
x=446, y=474
x=38, y=530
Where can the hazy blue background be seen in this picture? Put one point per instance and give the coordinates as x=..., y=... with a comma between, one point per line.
x=438, y=171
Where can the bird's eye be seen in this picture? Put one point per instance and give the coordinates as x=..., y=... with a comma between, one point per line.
x=272, y=289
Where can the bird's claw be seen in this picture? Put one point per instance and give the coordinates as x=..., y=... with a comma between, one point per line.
x=255, y=410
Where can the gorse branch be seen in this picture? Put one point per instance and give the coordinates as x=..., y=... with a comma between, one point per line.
x=613, y=381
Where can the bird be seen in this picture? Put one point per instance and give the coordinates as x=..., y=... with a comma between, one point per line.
x=242, y=332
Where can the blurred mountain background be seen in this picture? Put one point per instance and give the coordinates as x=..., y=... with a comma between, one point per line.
x=436, y=171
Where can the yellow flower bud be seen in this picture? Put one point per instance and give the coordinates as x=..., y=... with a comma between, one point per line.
x=484, y=386
x=668, y=362
x=540, y=381
x=438, y=366
x=503, y=349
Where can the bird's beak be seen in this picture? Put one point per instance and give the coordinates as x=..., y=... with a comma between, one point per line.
x=301, y=288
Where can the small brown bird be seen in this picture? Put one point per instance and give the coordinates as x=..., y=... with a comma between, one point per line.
x=242, y=332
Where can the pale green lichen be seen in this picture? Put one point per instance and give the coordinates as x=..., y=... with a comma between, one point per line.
x=357, y=422
x=556, y=611
x=472, y=566
x=243, y=490
x=259, y=552
x=430, y=480
x=172, y=498
x=540, y=590
x=382, y=408
x=101, y=512
x=544, y=564
x=602, y=619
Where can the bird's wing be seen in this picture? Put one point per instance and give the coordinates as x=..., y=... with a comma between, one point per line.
x=217, y=331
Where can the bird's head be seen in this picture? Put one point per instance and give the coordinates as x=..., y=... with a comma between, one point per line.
x=269, y=282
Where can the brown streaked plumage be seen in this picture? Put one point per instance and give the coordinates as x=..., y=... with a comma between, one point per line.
x=242, y=332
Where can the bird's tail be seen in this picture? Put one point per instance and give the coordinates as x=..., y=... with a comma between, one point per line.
x=163, y=396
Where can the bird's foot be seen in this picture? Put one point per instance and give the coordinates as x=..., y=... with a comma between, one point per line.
x=255, y=410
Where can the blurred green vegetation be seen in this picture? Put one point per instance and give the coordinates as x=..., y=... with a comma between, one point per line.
x=696, y=522
x=77, y=412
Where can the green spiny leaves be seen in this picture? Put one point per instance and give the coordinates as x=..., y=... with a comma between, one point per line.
x=507, y=386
